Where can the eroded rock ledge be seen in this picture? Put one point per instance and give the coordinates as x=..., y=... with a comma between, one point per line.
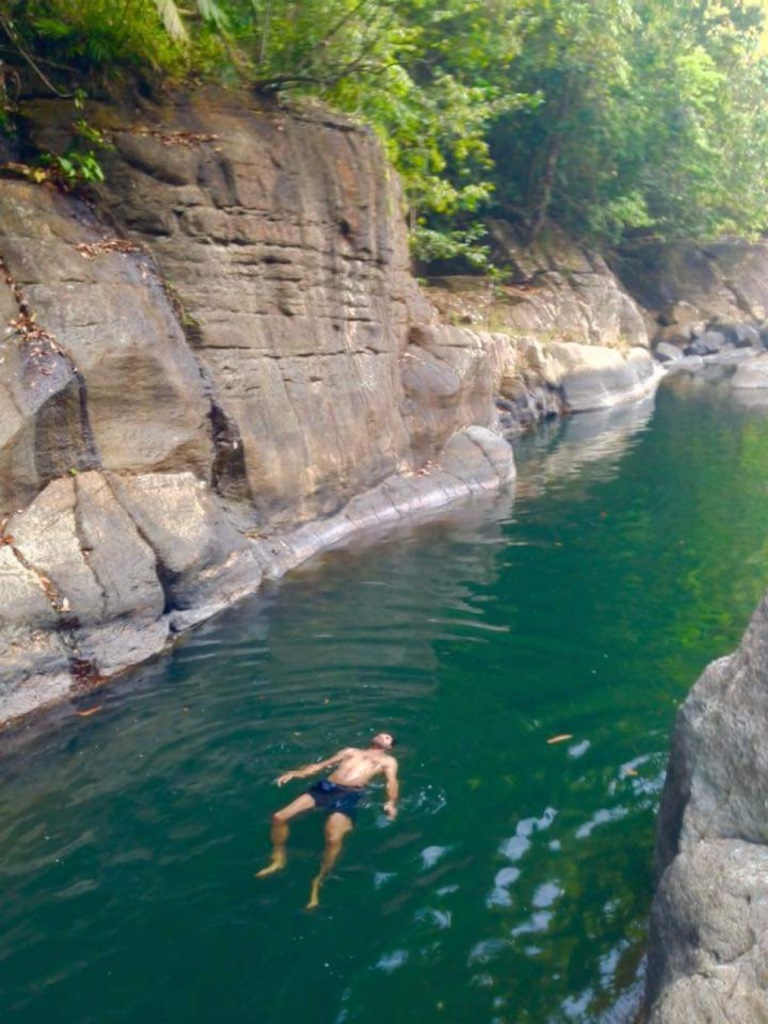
x=708, y=958
x=220, y=368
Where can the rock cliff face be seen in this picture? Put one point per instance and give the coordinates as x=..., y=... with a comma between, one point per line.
x=221, y=367
x=573, y=338
x=678, y=282
x=709, y=932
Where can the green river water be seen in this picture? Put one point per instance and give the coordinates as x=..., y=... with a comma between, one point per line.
x=515, y=885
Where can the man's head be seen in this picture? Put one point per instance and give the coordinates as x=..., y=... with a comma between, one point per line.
x=383, y=740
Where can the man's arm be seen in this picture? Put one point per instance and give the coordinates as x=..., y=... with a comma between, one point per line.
x=312, y=769
x=393, y=788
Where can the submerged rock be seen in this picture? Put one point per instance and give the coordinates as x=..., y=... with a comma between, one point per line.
x=753, y=374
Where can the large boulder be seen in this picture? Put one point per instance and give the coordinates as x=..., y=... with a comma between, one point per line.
x=473, y=462
x=44, y=428
x=450, y=376
x=99, y=572
x=599, y=378
x=709, y=952
x=592, y=376
x=666, y=352
x=709, y=932
x=681, y=282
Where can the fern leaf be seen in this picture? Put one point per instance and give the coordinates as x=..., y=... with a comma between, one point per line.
x=211, y=11
x=171, y=18
x=52, y=28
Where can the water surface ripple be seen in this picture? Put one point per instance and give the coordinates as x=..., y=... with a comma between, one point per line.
x=515, y=885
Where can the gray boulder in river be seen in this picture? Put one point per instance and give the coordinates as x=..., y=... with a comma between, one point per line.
x=708, y=957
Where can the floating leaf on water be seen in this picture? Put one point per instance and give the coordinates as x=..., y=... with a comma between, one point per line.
x=561, y=738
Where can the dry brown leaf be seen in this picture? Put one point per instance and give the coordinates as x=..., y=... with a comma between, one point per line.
x=176, y=138
x=90, y=250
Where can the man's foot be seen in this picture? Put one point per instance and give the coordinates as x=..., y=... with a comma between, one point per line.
x=314, y=896
x=277, y=863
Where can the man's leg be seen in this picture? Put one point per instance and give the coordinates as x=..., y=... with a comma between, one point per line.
x=279, y=832
x=336, y=827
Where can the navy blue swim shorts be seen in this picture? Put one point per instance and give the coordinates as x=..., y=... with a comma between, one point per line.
x=332, y=796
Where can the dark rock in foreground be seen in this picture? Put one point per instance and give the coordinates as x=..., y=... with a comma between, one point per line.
x=708, y=959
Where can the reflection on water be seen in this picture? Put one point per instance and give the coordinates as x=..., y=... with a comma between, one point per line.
x=599, y=439
x=515, y=884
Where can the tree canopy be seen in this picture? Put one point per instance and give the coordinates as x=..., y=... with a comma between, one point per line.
x=607, y=117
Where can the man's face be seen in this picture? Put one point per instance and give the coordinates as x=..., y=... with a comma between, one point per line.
x=382, y=740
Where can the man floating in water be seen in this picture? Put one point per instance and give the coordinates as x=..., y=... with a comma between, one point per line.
x=339, y=794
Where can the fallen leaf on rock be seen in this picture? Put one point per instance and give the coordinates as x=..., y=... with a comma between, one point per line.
x=559, y=739
x=88, y=711
x=90, y=250
x=176, y=138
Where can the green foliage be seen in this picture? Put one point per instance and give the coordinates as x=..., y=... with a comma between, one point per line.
x=429, y=77
x=101, y=35
x=75, y=167
x=651, y=118
x=430, y=246
x=606, y=116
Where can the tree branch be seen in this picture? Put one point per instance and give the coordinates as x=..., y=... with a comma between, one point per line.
x=40, y=74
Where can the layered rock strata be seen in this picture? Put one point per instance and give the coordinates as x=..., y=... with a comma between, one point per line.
x=220, y=368
x=708, y=956
x=572, y=338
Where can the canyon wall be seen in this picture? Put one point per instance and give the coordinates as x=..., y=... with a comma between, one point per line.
x=220, y=363
x=219, y=367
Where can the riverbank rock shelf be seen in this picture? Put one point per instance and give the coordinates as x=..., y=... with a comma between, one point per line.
x=219, y=367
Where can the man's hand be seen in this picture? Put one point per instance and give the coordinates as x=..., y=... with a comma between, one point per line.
x=390, y=809
x=282, y=779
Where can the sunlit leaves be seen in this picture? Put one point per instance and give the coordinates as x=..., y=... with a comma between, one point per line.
x=606, y=116
x=173, y=17
x=172, y=20
x=649, y=111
